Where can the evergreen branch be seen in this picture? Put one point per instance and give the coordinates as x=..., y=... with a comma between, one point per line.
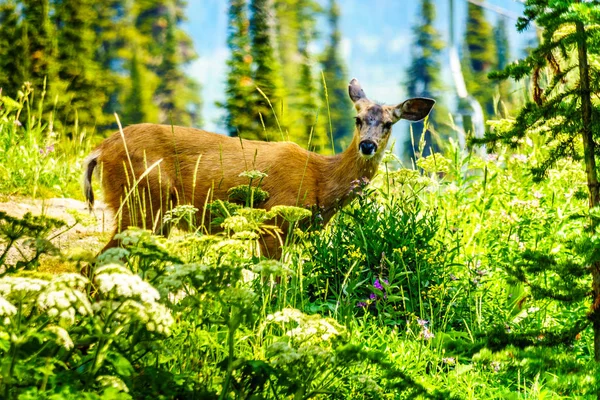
x=498, y=337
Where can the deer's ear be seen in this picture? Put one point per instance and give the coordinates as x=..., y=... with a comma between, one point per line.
x=413, y=109
x=355, y=91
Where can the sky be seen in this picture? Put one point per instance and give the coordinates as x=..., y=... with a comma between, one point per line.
x=376, y=42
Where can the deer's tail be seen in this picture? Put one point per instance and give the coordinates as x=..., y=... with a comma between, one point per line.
x=89, y=164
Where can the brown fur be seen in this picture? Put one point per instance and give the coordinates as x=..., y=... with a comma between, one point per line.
x=296, y=177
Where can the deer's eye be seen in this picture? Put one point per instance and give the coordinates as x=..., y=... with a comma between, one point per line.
x=387, y=126
x=358, y=122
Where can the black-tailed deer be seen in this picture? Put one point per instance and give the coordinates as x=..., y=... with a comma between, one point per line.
x=172, y=165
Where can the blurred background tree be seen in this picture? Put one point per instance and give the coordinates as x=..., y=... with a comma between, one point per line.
x=336, y=79
x=134, y=58
x=424, y=80
x=480, y=58
x=95, y=58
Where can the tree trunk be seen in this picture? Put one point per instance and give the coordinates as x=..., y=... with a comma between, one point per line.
x=589, y=149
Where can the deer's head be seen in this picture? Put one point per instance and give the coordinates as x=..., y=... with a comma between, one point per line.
x=374, y=121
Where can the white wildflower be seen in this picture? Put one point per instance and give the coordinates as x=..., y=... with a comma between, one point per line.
x=282, y=353
x=113, y=268
x=62, y=336
x=72, y=280
x=21, y=289
x=6, y=309
x=308, y=327
x=121, y=285
x=160, y=318
x=107, y=381
x=520, y=158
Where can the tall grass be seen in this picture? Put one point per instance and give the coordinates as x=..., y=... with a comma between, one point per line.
x=35, y=159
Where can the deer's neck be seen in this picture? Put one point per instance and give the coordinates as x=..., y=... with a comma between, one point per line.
x=342, y=175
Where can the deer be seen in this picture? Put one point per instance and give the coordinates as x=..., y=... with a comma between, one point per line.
x=172, y=162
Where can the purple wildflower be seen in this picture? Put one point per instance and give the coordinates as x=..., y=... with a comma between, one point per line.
x=361, y=304
x=377, y=284
x=422, y=322
x=373, y=296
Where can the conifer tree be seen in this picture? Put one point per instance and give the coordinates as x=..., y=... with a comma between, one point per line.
x=114, y=30
x=564, y=113
x=39, y=47
x=239, y=85
x=12, y=73
x=336, y=78
x=266, y=71
x=296, y=20
x=81, y=95
x=169, y=50
x=423, y=78
x=136, y=109
x=480, y=58
x=502, y=60
x=307, y=88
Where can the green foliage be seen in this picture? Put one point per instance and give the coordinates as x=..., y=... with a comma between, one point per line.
x=31, y=231
x=411, y=291
x=36, y=159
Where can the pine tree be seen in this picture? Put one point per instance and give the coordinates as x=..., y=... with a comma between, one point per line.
x=113, y=32
x=502, y=60
x=266, y=71
x=307, y=89
x=296, y=21
x=39, y=47
x=481, y=57
x=177, y=95
x=239, y=84
x=424, y=78
x=12, y=74
x=165, y=50
x=564, y=112
x=81, y=95
x=136, y=109
x=336, y=78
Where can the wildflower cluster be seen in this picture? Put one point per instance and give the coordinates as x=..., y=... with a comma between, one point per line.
x=374, y=296
x=308, y=328
x=435, y=163
x=291, y=214
x=127, y=297
x=309, y=339
x=178, y=213
x=64, y=297
x=19, y=289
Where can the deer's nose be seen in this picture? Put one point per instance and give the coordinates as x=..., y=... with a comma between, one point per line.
x=367, y=147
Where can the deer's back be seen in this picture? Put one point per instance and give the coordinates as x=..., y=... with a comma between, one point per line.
x=199, y=162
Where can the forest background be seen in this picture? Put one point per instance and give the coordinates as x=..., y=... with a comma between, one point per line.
x=199, y=63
